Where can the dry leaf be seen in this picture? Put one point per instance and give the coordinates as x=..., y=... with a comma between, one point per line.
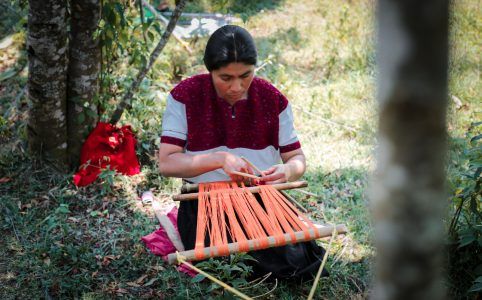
x=74, y=220
x=158, y=268
x=151, y=281
x=5, y=179
x=141, y=279
x=122, y=291
x=47, y=261
x=133, y=284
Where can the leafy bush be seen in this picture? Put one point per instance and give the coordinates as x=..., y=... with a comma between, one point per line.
x=235, y=270
x=465, y=230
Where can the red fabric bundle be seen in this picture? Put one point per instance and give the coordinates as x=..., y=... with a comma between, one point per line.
x=107, y=145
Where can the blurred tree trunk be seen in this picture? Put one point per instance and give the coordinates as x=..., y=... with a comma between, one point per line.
x=84, y=66
x=47, y=54
x=408, y=194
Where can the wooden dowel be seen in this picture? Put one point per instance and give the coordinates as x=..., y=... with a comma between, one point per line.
x=309, y=193
x=189, y=188
x=194, y=188
x=169, y=228
x=252, y=189
x=256, y=244
x=245, y=175
x=252, y=166
x=287, y=196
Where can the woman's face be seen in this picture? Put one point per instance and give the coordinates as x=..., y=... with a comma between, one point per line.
x=232, y=81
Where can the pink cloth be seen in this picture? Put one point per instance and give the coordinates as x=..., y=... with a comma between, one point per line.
x=160, y=244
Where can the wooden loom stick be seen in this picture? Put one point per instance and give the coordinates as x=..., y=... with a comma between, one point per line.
x=289, y=198
x=189, y=188
x=252, y=189
x=320, y=269
x=252, y=166
x=309, y=193
x=245, y=175
x=194, y=188
x=256, y=245
x=169, y=228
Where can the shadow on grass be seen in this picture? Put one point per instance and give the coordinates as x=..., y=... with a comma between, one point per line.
x=62, y=242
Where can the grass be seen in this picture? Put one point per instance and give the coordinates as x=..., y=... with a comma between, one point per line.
x=62, y=242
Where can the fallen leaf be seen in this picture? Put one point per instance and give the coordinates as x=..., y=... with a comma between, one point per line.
x=47, y=261
x=150, y=282
x=141, y=279
x=158, y=268
x=6, y=42
x=133, y=284
x=25, y=206
x=108, y=258
x=105, y=262
x=5, y=179
x=122, y=291
x=112, y=257
x=74, y=220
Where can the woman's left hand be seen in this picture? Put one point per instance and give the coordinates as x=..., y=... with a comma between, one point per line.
x=276, y=174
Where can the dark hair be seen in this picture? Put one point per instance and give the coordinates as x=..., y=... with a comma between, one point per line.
x=229, y=44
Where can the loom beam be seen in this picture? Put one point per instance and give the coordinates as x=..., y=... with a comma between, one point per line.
x=252, y=189
x=256, y=245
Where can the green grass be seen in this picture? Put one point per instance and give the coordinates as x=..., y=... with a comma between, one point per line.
x=62, y=242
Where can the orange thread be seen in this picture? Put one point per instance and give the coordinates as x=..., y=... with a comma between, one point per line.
x=231, y=213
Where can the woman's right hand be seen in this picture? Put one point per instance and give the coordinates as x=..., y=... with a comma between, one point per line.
x=231, y=162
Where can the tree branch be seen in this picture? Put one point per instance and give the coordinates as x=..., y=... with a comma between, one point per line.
x=126, y=100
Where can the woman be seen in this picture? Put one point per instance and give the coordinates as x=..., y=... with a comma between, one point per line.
x=212, y=120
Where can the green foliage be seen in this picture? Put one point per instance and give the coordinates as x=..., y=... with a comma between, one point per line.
x=3, y=129
x=107, y=177
x=235, y=270
x=125, y=39
x=245, y=8
x=13, y=16
x=465, y=228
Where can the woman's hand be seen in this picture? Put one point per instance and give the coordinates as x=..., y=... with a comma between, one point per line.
x=276, y=174
x=293, y=167
x=232, y=163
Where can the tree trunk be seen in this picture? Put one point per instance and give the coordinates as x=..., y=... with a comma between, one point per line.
x=408, y=194
x=47, y=54
x=84, y=66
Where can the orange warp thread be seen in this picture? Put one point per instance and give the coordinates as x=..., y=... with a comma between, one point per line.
x=230, y=213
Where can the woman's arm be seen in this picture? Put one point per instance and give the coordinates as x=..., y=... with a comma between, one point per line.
x=173, y=162
x=293, y=167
